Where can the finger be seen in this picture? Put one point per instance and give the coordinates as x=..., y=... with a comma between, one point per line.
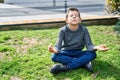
x=104, y=45
x=106, y=49
x=50, y=50
x=50, y=45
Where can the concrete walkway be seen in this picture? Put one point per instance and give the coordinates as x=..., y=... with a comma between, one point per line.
x=12, y=14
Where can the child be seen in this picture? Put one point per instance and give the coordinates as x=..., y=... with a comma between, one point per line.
x=71, y=40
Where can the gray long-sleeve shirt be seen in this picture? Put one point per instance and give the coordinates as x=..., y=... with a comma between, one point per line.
x=71, y=40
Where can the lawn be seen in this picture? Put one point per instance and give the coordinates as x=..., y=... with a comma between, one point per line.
x=24, y=55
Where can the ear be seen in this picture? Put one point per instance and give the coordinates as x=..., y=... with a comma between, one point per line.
x=80, y=20
x=66, y=20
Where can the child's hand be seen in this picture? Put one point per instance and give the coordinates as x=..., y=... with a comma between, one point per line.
x=52, y=49
x=102, y=47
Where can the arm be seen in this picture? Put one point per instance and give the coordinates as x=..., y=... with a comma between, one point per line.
x=88, y=42
x=90, y=46
x=58, y=44
x=52, y=49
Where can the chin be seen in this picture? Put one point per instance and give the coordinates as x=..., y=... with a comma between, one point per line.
x=75, y=23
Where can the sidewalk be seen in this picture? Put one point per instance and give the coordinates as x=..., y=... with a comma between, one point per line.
x=25, y=14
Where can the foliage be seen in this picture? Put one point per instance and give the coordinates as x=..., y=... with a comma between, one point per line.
x=1, y=1
x=35, y=63
x=112, y=6
x=117, y=29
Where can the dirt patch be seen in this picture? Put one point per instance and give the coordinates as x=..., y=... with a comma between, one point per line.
x=3, y=56
x=29, y=42
x=15, y=78
x=110, y=33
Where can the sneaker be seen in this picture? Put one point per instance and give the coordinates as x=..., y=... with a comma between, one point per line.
x=88, y=66
x=58, y=68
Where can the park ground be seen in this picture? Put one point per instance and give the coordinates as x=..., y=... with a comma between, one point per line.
x=24, y=55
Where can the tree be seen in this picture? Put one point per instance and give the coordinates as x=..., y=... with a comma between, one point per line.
x=112, y=6
x=1, y=1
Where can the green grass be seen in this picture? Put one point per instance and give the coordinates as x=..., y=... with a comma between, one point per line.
x=24, y=55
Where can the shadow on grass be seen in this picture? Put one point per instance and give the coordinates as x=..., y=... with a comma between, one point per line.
x=106, y=70
x=32, y=26
x=102, y=71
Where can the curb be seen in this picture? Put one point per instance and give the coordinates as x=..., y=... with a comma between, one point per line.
x=56, y=20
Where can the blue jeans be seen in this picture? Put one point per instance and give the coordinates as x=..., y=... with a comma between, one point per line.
x=74, y=58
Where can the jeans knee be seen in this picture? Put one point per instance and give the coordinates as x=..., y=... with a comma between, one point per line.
x=53, y=57
x=94, y=54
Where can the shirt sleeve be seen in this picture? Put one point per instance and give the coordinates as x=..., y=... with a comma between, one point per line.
x=88, y=42
x=58, y=44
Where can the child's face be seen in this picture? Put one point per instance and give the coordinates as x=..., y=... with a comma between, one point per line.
x=73, y=18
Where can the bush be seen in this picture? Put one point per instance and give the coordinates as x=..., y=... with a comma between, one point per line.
x=117, y=29
x=1, y=1
x=112, y=6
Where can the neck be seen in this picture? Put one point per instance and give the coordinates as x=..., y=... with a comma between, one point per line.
x=73, y=27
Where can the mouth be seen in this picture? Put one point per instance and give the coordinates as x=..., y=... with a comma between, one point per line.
x=73, y=20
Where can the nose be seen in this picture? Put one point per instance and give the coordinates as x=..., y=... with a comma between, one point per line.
x=74, y=16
